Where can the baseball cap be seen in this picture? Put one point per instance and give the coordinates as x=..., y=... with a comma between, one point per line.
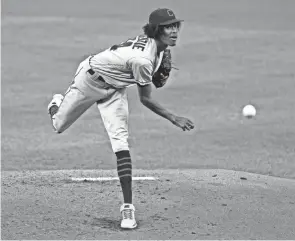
x=163, y=16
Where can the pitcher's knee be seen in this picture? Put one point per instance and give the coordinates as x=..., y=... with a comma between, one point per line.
x=58, y=126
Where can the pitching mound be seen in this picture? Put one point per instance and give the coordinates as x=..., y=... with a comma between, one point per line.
x=178, y=204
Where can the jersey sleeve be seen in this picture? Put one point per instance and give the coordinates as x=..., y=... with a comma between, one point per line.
x=142, y=70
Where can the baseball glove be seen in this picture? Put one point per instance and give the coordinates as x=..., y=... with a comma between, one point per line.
x=160, y=77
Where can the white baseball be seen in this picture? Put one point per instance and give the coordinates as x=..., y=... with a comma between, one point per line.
x=249, y=111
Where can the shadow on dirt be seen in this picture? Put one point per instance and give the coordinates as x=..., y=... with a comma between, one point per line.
x=108, y=223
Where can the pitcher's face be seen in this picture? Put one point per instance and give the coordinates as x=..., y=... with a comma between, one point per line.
x=170, y=34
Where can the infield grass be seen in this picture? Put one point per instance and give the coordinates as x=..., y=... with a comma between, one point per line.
x=230, y=53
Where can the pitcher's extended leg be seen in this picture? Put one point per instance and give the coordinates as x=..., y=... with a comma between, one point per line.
x=114, y=113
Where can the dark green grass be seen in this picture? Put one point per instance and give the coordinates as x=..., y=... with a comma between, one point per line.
x=230, y=53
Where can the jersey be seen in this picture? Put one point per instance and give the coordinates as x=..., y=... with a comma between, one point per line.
x=129, y=63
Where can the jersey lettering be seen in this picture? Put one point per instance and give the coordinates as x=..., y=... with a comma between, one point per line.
x=139, y=44
x=131, y=62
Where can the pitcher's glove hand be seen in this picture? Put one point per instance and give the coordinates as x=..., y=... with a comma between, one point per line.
x=160, y=77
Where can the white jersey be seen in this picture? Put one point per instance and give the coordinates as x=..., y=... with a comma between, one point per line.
x=132, y=62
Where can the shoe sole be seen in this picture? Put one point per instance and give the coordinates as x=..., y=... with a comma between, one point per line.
x=54, y=102
x=135, y=225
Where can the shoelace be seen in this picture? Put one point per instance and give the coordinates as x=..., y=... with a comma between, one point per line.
x=127, y=214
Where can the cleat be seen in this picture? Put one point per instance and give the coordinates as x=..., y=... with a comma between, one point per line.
x=54, y=104
x=128, y=221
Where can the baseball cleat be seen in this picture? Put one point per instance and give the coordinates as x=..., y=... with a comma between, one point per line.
x=128, y=221
x=54, y=104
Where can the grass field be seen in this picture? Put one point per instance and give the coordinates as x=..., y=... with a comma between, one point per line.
x=230, y=53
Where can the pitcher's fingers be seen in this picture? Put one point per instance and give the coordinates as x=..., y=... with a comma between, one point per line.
x=182, y=127
x=187, y=127
x=190, y=122
x=191, y=125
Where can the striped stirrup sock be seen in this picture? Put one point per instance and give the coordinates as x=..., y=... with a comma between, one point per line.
x=124, y=168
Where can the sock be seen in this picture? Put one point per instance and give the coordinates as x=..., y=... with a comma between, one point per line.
x=124, y=168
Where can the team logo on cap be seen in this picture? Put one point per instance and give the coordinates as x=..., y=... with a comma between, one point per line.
x=170, y=13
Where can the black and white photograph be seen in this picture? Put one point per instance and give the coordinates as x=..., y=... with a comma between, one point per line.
x=147, y=120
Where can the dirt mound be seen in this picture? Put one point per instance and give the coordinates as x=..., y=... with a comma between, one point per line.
x=181, y=204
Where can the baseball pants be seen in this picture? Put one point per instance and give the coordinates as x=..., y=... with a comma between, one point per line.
x=87, y=89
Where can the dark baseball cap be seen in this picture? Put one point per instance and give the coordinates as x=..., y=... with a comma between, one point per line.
x=163, y=16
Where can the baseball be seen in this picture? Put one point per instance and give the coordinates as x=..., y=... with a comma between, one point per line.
x=249, y=111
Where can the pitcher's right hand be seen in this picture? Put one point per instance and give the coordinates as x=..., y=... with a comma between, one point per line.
x=184, y=123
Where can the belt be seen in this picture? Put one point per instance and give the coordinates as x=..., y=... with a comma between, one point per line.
x=92, y=72
x=101, y=80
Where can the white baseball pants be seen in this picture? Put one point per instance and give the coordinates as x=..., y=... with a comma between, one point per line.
x=85, y=90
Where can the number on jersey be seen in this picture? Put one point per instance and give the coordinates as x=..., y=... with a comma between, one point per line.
x=136, y=43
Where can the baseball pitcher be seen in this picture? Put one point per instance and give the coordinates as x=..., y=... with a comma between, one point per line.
x=102, y=79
